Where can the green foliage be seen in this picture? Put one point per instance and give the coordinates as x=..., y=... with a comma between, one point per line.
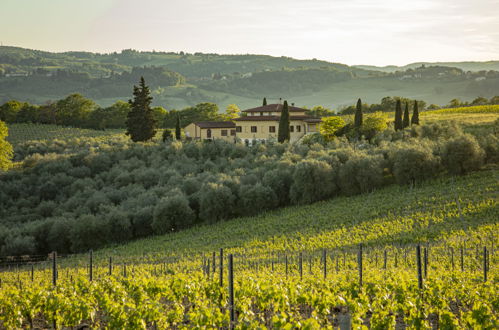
x=320, y=111
x=313, y=180
x=201, y=112
x=216, y=202
x=490, y=145
x=406, y=120
x=255, y=199
x=177, y=128
x=140, y=120
x=166, y=135
x=115, y=184
x=172, y=213
x=6, y=151
x=284, y=133
x=74, y=110
x=415, y=114
x=374, y=123
x=398, y=116
x=462, y=154
x=357, y=123
x=9, y=111
x=232, y=112
x=330, y=126
x=413, y=162
x=361, y=173
x=264, y=101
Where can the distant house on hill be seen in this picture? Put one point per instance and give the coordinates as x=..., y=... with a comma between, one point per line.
x=211, y=130
x=262, y=123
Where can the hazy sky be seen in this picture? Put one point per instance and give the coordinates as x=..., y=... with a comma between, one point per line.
x=347, y=31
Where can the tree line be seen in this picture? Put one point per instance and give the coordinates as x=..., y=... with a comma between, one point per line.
x=78, y=111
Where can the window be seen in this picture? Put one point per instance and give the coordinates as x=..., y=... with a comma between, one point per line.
x=271, y=129
x=298, y=128
x=261, y=113
x=224, y=132
x=291, y=129
x=232, y=132
x=253, y=129
x=239, y=129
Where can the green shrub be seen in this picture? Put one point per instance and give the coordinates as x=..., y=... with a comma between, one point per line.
x=172, y=213
x=490, y=145
x=255, y=199
x=279, y=180
x=58, y=237
x=312, y=181
x=462, y=154
x=19, y=245
x=361, y=173
x=414, y=163
x=216, y=202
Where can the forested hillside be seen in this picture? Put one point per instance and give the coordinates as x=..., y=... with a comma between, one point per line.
x=181, y=79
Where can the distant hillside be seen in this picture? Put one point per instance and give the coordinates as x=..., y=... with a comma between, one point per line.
x=466, y=66
x=181, y=79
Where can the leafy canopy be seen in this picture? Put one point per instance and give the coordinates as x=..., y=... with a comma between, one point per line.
x=331, y=125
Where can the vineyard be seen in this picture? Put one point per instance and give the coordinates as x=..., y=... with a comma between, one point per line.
x=471, y=109
x=348, y=262
x=20, y=133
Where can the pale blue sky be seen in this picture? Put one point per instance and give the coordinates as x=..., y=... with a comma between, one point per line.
x=347, y=31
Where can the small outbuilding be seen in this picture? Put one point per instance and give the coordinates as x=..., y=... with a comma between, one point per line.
x=211, y=130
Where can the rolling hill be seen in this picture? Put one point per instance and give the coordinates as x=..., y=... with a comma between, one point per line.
x=180, y=79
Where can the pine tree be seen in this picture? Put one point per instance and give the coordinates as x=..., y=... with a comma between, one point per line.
x=358, y=115
x=178, y=135
x=283, y=134
x=415, y=114
x=140, y=121
x=406, y=115
x=398, y=116
x=264, y=101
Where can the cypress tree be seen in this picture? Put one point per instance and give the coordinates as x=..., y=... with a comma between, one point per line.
x=398, y=116
x=283, y=133
x=358, y=115
x=140, y=121
x=415, y=114
x=178, y=135
x=264, y=101
x=406, y=115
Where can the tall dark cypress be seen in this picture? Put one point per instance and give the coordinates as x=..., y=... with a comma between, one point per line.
x=264, y=101
x=358, y=114
x=415, y=114
x=398, y=116
x=178, y=135
x=406, y=120
x=283, y=134
x=140, y=121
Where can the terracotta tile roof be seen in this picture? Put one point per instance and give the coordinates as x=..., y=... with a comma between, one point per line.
x=312, y=120
x=274, y=118
x=215, y=124
x=274, y=108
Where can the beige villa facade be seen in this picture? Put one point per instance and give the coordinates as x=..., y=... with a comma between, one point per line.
x=262, y=123
x=256, y=124
x=211, y=130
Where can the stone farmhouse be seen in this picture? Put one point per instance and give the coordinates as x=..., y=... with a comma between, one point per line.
x=260, y=124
